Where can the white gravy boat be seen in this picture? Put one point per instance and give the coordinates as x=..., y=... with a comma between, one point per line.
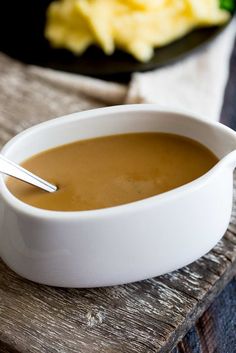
x=125, y=243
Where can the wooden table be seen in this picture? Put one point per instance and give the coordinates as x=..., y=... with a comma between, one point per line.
x=144, y=317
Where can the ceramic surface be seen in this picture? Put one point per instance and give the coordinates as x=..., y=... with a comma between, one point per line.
x=125, y=243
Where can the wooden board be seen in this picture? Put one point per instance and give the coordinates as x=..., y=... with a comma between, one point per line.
x=144, y=317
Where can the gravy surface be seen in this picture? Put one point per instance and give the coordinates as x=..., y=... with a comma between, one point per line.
x=113, y=170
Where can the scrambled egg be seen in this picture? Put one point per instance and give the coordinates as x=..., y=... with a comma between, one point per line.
x=136, y=26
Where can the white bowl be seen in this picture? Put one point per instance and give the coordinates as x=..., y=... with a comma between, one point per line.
x=125, y=243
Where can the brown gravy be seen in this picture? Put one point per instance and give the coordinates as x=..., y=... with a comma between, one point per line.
x=113, y=170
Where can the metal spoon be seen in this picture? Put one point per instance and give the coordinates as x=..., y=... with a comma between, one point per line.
x=14, y=170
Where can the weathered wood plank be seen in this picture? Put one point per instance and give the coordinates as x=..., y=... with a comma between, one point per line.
x=144, y=317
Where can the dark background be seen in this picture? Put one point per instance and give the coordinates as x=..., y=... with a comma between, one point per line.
x=228, y=115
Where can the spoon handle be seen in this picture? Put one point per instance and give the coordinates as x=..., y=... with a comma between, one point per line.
x=14, y=170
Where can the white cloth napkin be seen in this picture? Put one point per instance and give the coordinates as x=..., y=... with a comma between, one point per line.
x=196, y=84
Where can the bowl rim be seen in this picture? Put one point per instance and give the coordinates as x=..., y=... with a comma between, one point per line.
x=23, y=208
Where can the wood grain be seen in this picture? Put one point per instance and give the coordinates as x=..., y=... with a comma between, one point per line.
x=144, y=317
